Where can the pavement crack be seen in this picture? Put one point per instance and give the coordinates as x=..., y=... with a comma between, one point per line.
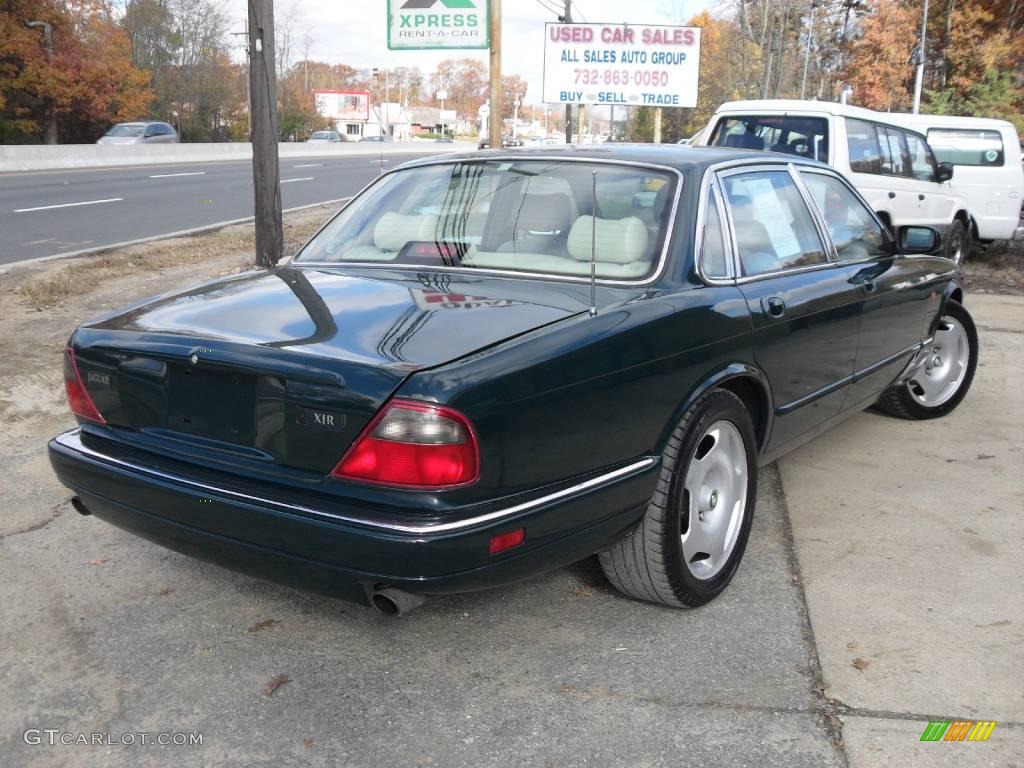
x=826, y=709
x=845, y=710
x=58, y=510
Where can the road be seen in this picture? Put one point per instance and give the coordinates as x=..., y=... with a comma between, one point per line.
x=55, y=212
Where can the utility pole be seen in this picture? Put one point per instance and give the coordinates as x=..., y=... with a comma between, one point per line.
x=51, y=124
x=265, y=170
x=495, y=125
x=567, y=19
x=657, y=125
x=920, y=59
x=810, y=42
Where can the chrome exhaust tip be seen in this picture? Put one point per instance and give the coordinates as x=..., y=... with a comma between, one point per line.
x=80, y=507
x=391, y=601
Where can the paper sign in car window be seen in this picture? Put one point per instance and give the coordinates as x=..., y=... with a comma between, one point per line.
x=768, y=210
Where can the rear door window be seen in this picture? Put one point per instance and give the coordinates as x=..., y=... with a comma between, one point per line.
x=773, y=227
x=895, y=156
x=862, y=144
x=966, y=147
x=714, y=257
x=789, y=134
x=922, y=161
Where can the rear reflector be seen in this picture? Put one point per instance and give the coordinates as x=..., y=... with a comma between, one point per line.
x=413, y=445
x=508, y=540
x=78, y=396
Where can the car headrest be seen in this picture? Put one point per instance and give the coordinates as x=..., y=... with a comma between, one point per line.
x=544, y=214
x=394, y=230
x=618, y=241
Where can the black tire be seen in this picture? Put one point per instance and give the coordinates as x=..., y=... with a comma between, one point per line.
x=958, y=242
x=648, y=564
x=899, y=399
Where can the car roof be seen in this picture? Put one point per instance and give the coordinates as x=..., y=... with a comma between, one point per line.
x=680, y=157
x=811, y=108
x=954, y=121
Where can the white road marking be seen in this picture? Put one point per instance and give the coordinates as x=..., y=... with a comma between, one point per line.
x=68, y=205
x=309, y=165
x=172, y=175
x=304, y=178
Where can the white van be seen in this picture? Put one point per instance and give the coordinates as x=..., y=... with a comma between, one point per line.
x=891, y=166
x=989, y=169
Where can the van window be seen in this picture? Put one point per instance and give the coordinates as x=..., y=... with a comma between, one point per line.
x=789, y=134
x=967, y=147
x=893, y=143
x=922, y=161
x=862, y=144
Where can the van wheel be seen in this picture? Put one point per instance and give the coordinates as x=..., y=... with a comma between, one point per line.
x=692, y=537
x=958, y=242
x=941, y=381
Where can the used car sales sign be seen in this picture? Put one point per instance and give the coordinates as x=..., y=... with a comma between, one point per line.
x=621, y=64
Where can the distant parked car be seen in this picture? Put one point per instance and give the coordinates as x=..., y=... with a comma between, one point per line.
x=444, y=140
x=506, y=141
x=382, y=137
x=140, y=133
x=323, y=137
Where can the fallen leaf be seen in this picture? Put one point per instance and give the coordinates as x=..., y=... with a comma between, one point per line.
x=860, y=663
x=99, y=561
x=166, y=591
x=582, y=591
x=850, y=646
x=265, y=624
x=984, y=456
x=307, y=743
x=970, y=530
x=275, y=683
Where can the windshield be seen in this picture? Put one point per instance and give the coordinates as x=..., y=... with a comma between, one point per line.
x=321, y=135
x=520, y=215
x=126, y=129
x=789, y=134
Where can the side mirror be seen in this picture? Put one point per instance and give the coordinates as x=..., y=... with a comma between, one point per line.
x=918, y=240
x=945, y=172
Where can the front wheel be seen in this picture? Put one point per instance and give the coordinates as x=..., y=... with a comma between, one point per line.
x=941, y=380
x=958, y=242
x=692, y=537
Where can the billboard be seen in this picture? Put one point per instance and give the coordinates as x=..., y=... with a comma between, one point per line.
x=415, y=25
x=631, y=64
x=343, y=105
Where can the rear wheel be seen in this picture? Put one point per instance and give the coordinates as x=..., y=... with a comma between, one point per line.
x=690, y=542
x=941, y=381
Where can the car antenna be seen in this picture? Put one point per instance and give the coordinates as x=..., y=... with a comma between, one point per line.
x=593, y=247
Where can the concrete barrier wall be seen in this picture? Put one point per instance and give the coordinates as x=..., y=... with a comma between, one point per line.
x=46, y=158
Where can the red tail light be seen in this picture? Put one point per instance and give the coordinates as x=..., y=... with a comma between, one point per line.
x=413, y=445
x=78, y=396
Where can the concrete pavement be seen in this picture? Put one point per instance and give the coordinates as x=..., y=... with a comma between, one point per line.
x=910, y=539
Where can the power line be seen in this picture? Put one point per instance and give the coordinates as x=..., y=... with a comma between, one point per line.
x=548, y=8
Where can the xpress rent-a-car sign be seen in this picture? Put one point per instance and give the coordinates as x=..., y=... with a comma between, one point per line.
x=418, y=24
x=621, y=64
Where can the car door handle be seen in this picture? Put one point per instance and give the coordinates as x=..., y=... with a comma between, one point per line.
x=773, y=306
x=892, y=195
x=868, y=285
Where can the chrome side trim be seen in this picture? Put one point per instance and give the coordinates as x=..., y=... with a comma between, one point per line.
x=72, y=441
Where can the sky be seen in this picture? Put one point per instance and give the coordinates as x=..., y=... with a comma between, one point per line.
x=355, y=31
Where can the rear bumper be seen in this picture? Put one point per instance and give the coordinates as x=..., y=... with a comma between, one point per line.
x=341, y=554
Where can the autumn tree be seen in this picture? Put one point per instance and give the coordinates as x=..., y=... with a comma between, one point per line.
x=878, y=68
x=90, y=83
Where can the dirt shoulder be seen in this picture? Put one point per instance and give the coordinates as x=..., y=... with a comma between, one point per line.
x=999, y=268
x=40, y=304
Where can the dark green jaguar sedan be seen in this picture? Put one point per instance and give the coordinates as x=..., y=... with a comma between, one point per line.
x=490, y=365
